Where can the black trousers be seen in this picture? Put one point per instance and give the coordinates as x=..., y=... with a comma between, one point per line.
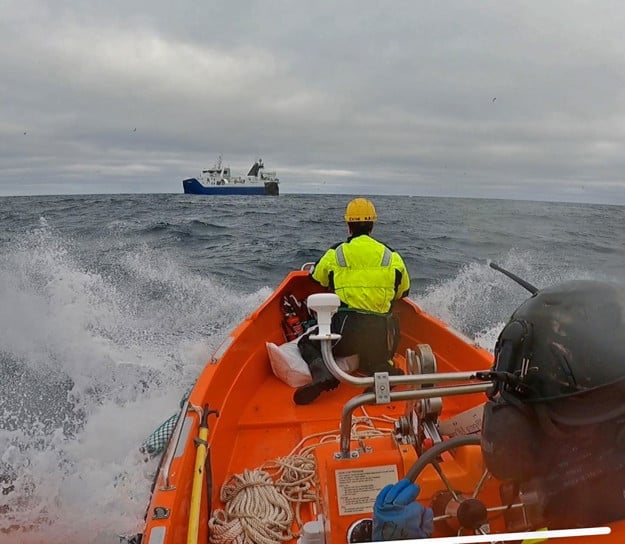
x=372, y=337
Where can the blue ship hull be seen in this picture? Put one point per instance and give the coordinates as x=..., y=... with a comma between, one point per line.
x=193, y=187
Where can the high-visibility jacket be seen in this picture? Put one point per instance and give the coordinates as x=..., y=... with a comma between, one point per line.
x=364, y=273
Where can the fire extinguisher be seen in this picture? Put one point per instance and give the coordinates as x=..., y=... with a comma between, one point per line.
x=300, y=308
x=291, y=324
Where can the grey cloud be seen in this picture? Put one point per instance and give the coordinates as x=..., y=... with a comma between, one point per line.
x=489, y=99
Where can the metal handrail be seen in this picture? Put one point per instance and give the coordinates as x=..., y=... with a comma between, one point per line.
x=407, y=379
x=369, y=398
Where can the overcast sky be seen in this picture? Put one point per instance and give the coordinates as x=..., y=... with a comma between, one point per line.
x=495, y=98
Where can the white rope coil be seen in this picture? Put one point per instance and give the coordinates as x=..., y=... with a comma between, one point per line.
x=255, y=513
x=295, y=479
x=261, y=504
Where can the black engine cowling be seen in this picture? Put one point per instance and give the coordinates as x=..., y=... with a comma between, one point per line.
x=554, y=425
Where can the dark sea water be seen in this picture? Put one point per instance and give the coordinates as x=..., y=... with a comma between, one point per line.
x=110, y=305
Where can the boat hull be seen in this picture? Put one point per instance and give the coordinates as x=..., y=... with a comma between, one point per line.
x=193, y=187
x=253, y=422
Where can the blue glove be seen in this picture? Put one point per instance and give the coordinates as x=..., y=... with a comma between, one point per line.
x=397, y=516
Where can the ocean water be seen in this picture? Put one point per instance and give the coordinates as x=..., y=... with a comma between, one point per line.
x=111, y=304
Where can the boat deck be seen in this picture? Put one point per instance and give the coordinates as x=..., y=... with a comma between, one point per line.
x=270, y=427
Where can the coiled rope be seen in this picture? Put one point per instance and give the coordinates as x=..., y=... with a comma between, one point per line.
x=262, y=504
x=295, y=480
x=256, y=512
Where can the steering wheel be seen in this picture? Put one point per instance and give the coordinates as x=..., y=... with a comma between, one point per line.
x=465, y=510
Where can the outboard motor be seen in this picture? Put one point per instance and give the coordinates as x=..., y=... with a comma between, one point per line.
x=554, y=425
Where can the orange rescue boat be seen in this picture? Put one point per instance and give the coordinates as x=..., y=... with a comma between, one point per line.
x=245, y=464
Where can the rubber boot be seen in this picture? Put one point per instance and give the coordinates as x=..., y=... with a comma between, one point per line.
x=384, y=366
x=322, y=380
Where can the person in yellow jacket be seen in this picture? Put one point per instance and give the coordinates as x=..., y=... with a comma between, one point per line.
x=368, y=276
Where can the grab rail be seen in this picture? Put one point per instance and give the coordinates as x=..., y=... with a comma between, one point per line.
x=173, y=446
x=406, y=379
x=369, y=398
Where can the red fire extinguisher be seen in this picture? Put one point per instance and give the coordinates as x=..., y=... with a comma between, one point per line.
x=300, y=308
x=291, y=324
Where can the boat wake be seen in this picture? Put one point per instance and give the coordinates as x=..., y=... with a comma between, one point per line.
x=92, y=362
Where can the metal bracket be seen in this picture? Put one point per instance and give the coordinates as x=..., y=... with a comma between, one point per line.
x=354, y=454
x=382, y=388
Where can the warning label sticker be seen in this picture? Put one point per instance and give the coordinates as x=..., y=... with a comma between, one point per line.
x=467, y=422
x=357, y=488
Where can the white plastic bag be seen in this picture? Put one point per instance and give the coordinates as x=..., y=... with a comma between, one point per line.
x=287, y=363
x=289, y=366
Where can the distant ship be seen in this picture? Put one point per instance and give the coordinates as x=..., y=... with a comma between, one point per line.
x=219, y=181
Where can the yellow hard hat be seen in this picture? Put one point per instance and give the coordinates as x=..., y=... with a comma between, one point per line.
x=360, y=209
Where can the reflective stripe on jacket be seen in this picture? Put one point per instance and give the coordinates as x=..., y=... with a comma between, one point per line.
x=364, y=273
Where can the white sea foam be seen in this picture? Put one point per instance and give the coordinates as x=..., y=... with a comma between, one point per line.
x=120, y=361
x=478, y=301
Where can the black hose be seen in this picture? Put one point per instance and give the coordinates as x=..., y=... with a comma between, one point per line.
x=208, y=469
